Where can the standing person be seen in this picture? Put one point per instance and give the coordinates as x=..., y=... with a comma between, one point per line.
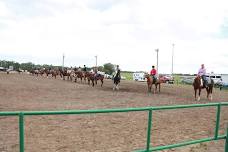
x=202, y=74
x=117, y=78
x=153, y=73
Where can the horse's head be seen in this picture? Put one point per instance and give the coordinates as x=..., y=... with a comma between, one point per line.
x=146, y=75
x=197, y=81
x=148, y=78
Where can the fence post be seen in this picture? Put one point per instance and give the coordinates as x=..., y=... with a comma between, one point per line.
x=21, y=131
x=217, y=121
x=149, y=130
x=226, y=142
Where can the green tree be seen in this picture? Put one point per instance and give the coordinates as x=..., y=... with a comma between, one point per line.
x=101, y=68
x=109, y=68
x=27, y=66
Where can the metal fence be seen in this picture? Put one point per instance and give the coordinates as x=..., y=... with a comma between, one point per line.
x=148, y=147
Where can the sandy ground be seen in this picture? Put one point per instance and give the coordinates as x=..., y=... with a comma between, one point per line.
x=116, y=132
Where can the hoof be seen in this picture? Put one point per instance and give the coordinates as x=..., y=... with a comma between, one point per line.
x=198, y=99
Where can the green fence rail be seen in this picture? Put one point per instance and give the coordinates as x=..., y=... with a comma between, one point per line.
x=149, y=147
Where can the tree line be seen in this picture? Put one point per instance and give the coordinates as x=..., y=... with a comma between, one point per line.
x=108, y=68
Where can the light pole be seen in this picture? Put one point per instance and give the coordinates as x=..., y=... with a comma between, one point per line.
x=157, y=50
x=63, y=61
x=172, y=58
x=96, y=60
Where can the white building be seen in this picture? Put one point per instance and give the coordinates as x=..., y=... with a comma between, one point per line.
x=139, y=76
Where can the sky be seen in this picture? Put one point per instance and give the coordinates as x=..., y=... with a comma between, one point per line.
x=123, y=32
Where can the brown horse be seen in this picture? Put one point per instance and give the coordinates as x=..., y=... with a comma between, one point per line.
x=64, y=72
x=197, y=86
x=55, y=72
x=151, y=81
x=99, y=77
x=90, y=77
x=78, y=74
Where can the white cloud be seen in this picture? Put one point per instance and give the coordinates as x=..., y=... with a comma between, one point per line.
x=121, y=32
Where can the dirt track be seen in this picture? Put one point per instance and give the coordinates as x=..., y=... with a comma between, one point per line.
x=103, y=132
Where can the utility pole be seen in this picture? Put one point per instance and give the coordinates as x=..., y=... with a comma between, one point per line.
x=63, y=61
x=157, y=50
x=172, y=58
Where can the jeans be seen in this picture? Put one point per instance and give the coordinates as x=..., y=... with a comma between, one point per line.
x=204, y=80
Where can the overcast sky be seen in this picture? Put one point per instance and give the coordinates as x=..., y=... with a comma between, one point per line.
x=124, y=32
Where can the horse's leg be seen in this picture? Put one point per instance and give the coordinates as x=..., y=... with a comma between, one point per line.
x=117, y=86
x=92, y=82
x=208, y=92
x=102, y=81
x=154, y=88
x=199, y=94
x=88, y=81
x=195, y=93
x=159, y=87
x=148, y=88
x=211, y=89
x=114, y=86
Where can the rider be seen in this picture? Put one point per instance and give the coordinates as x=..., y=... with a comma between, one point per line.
x=202, y=74
x=84, y=68
x=116, y=78
x=79, y=69
x=117, y=72
x=153, y=73
x=96, y=71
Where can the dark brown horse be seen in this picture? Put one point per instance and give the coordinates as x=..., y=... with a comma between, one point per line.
x=54, y=72
x=34, y=72
x=151, y=81
x=99, y=77
x=90, y=77
x=64, y=72
x=197, y=86
x=78, y=74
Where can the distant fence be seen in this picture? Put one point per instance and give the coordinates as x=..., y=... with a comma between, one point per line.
x=149, y=147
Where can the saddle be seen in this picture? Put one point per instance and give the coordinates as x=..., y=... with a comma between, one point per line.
x=204, y=82
x=154, y=79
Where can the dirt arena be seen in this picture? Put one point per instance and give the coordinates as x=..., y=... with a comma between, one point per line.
x=116, y=132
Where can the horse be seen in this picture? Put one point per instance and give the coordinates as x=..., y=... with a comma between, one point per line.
x=197, y=86
x=78, y=74
x=116, y=81
x=47, y=71
x=54, y=72
x=34, y=72
x=151, y=81
x=90, y=77
x=64, y=73
x=99, y=77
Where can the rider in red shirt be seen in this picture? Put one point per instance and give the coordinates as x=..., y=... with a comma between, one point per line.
x=153, y=72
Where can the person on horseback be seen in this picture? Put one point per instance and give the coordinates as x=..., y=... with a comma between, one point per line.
x=96, y=71
x=79, y=69
x=202, y=74
x=153, y=73
x=84, y=68
x=116, y=78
